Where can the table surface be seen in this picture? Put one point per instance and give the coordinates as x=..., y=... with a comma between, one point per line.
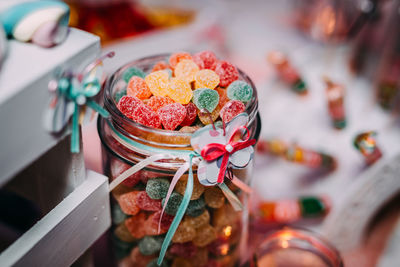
x=250, y=33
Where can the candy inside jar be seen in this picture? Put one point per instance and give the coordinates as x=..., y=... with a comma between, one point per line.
x=178, y=210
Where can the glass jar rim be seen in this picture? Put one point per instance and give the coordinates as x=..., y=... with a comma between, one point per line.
x=119, y=118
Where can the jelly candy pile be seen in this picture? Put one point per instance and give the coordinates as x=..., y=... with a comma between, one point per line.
x=185, y=90
x=208, y=232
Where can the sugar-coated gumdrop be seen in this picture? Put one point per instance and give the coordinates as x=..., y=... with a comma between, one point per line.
x=240, y=90
x=166, y=220
x=137, y=225
x=127, y=202
x=184, y=250
x=205, y=98
x=205, y=60
x=191, y=114
x=214, y=197
x=138, y=259
x=198, y=188
x=206, y=79
x=225, y=215
x=180, y=262
x=172, y=115
x=160, y=65
x=127, y=104
x=223, y=98
x=227, y=73
x=200, y=220
x=184, y=233
x=118, y=216
x=180, y=91
x=208, y=118
x=132, y=71
x=186, y=70
x=157, y=102
x=118, y=95
x=175, y=58
x=144, y=202
x=149, y=245
x=205, y=235
x=231, y=110
x=146, y=116
x=189, y=129
x=196, y=207
x=157, y=188
x=138, y=87
x=153, y=263
x=173, y=203
x=158, y=82
x=123, y=233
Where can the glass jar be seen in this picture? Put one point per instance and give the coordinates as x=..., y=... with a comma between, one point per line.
x=295, y=248
x=215, y=236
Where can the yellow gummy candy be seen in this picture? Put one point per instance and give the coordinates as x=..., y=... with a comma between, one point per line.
x=206, y=79
x=205, y=117
x=186, y=70
x=158, y=82
x=180, y=91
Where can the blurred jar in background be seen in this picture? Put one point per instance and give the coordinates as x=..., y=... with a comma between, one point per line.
x=332, y=20
x=294, y=248
x=115, y=19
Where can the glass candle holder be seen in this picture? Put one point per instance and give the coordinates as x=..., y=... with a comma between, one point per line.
x=212, y=237
x=295, y=248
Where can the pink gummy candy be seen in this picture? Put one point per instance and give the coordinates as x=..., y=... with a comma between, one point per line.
x=227, y=73
x=231, y=109
x=144, y=202
x=165, y=221
x=146, y=116
x=191, y=114
x=127, y=105
x=172, y=115
x=205, y=60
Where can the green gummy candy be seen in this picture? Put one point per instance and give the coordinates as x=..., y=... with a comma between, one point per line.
x=196, y=207
x=150, y=245
x=132, y=71
x=173, y=203
x=240, y=90
x=118, y=216
x=205, y=98
x=157, y=188
x=119, y=95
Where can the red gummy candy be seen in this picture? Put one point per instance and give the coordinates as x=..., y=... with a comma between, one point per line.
x=172, y=115
x=144, y=202
x=191, y=114
x=227, y=73
x=157, y=102
x=165, y=221
x=176, y=57
x=127, y=105
x=231, y=110
x=138, y=87
x=127, y=202
x=184, y=250
x=137, y=225
x=118, y=168
x=160, y=65
x=205, y=60
x=146, y=116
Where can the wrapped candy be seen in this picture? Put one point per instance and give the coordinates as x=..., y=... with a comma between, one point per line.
x=366, y=144
x=335, y=96
x=287, y=72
